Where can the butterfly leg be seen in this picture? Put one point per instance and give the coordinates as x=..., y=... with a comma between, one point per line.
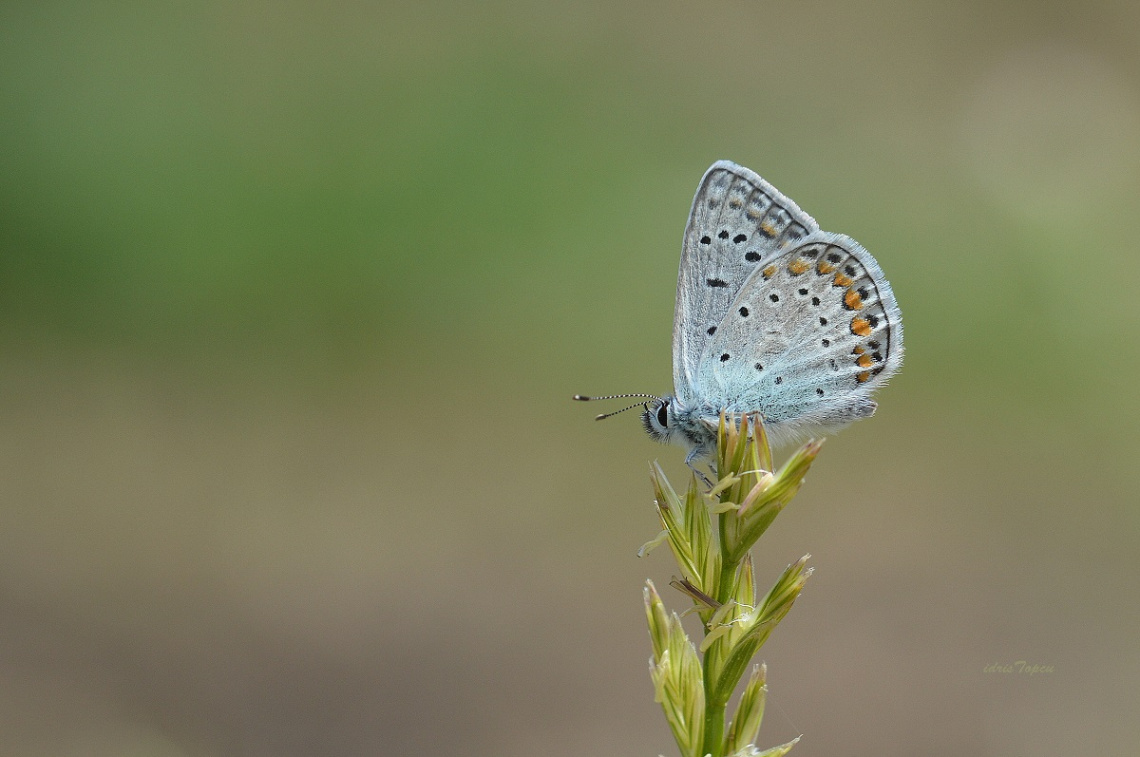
x=690, y=460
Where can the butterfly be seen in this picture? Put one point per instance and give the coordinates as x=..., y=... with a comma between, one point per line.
x=773, y=316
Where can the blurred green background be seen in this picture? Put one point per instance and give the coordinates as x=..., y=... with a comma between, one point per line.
x=293, y=297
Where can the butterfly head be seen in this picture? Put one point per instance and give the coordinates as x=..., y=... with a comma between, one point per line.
x=657, y=417
x=666, y=420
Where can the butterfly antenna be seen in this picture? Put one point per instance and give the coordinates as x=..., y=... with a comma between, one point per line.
x=583, y=398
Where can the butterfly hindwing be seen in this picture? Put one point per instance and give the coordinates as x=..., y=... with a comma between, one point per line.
x=738, y=224
x=810, y=334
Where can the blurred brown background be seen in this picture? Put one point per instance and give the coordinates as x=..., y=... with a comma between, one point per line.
x=293, y=297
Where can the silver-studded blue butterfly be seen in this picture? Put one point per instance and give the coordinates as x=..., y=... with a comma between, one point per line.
x=773, y=316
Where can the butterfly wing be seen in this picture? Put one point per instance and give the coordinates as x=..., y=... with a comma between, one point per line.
x=737, y=225
x=810, y=334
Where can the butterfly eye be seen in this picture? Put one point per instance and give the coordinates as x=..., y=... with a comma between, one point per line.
x=663, y=414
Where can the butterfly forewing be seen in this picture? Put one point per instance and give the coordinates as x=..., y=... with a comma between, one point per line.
x=811, y=333
x=738, y=224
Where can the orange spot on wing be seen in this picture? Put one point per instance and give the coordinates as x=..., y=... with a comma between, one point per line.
x=852, y=300
x=798, y=266
x=858, y=350
x=824, y=268
x=770, y=271
x=860, y=327
x=864, y=361
x=768, y=229
x=863, y=377
x=842, y=280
